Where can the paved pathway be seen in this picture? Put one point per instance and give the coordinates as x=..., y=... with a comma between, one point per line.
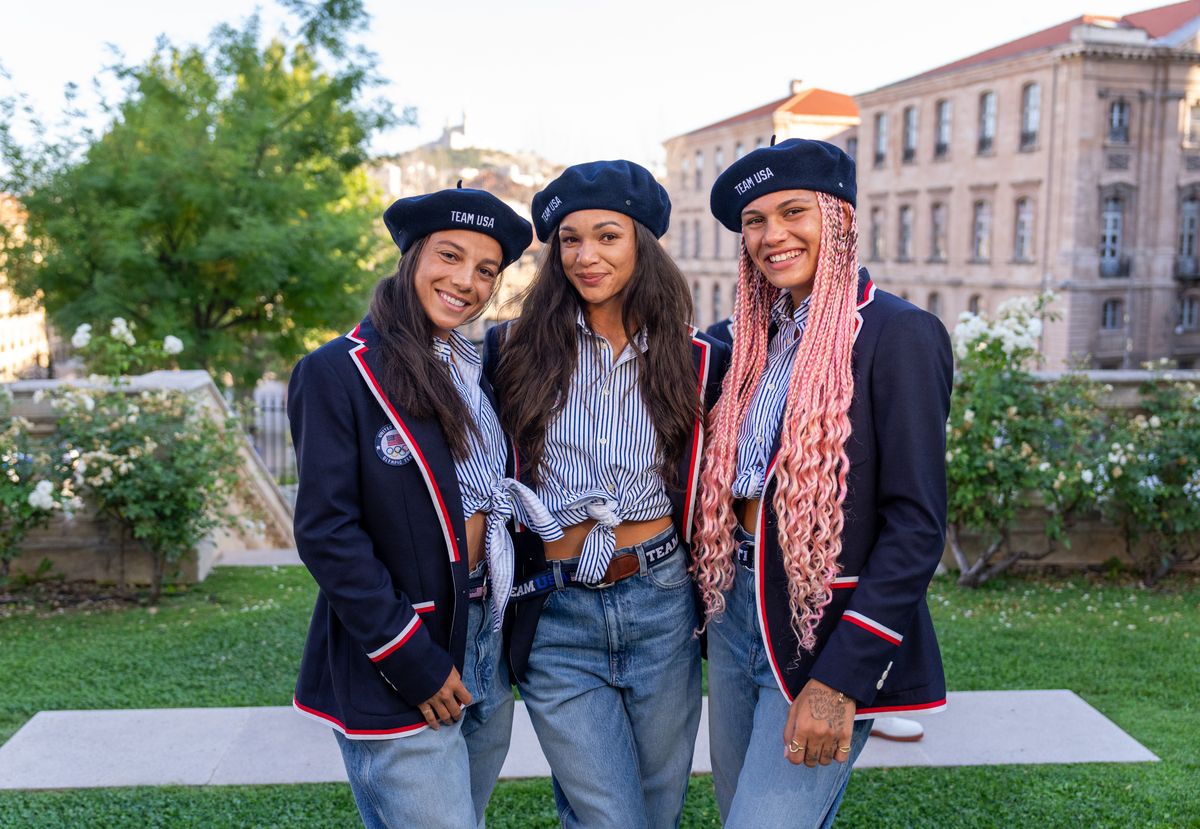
x=216, y=746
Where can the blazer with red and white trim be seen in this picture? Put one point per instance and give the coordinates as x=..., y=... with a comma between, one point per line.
x=710, y=359
x=875, y=641
x=384, y=540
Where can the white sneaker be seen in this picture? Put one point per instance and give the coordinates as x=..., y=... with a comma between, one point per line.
x=898, y=729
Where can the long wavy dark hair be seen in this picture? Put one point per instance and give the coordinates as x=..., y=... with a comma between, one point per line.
x=412, y=376
x=539, y=352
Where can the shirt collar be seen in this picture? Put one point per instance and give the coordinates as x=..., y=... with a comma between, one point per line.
x=782, y=312
x=458, y=347
x=640, y=338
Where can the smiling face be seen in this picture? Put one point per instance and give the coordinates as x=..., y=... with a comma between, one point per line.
x=783, y=236
x=599, y=253
x=455, y=277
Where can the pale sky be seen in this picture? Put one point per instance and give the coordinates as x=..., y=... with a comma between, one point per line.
x=573, y=81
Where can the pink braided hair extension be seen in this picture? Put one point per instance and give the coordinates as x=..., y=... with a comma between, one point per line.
x=812, y=465
x=712, y=542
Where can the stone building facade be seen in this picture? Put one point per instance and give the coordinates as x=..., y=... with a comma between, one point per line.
x=705, y=251
x=1068, y=160
x=24, y=344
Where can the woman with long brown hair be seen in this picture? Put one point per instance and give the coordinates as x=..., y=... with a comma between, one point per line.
x=602, y=384
x=404, y=493
x=823, y=496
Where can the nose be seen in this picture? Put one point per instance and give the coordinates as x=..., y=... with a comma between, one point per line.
x=461, y=278
x=774, y=232
x=587, y=253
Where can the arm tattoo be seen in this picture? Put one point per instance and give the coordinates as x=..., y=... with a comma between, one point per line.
x=825, y=706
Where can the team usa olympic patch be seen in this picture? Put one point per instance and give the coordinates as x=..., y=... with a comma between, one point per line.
x=390, y=446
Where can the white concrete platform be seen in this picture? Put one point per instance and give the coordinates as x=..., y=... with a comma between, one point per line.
x=286, y=557
x=215, y=746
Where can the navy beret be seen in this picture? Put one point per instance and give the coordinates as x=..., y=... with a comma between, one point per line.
x=795, y=164
x=459, y=209
x=620, y=186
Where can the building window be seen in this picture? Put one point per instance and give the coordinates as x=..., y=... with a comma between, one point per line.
x=696, y=239
x=717, y=228
x=1112, y=227
x=934, y=304
x=987, y=122
x=941, y=139
x=739, y=150
x=718, y=311
x=880, y=138
x=937, y=238
x=758, y=142
x=981, y=239
x=904, y=251
x=718, y=161
x=696, y=301
x=877, y=248
x=1031, y=115
x=1112, y=315
x=1193, y=128
x=974, y=304
x=1118, y=122
x=1023, y=232
x=1189, y=313
x=699, y=169
x=852, y=146
x=686, y=174
x=1186, y=264
x=910, y=134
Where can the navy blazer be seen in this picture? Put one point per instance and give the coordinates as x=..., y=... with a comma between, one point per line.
x=875, y=641
x=379, y=523
x=710, y=360
x=722, y=331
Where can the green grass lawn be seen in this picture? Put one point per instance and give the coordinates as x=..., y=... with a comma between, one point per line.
x=236, y=638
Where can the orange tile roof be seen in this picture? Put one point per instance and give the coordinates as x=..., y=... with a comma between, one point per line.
x=812, y=101
x=1157, y=22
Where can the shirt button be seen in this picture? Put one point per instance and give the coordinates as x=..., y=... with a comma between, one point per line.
x=612, y=488
x=604, y=393
x=758, y=439
x=770, y=387
x=603, y=441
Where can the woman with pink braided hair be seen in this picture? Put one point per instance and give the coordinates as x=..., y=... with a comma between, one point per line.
x=822, y=496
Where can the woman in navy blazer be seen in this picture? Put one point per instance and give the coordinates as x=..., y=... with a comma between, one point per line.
x=823, y=496
x=403, y=497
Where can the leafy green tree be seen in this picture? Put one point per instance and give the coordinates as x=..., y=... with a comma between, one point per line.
x=224, y=202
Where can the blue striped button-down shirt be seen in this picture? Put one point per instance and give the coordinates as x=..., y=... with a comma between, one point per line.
x=758, y=430
x=480, y=474
x=602, y=450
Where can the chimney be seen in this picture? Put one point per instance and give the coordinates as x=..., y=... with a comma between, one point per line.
x=797, y=85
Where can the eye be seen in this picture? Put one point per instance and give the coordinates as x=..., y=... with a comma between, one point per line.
x=608, y=237
x=793, y=211
x=449, y=256
x=488, y=274
x=567, y=240
x=753, y=220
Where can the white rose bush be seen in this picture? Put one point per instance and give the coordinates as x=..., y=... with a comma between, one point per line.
x=33, y=487
x=1012, y=444
x=121, y=353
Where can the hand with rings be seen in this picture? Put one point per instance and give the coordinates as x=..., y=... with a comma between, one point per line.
x=445, y=706
x=819, y=727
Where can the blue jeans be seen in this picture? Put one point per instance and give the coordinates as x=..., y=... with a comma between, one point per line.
x=755, y=785
x=440, y=778
x=613, y=691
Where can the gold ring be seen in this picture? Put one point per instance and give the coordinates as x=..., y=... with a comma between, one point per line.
x=794, y=747
x=844, y=748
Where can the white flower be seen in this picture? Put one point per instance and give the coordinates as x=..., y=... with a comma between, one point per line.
x=82, y=336
x=1150, y=482
x=1086, y=476
x=172, y=344
x=122, y=330
x=42, y=496
x=88, y=402
x=1043, y=467
x=969, y=416
x=1155, y=422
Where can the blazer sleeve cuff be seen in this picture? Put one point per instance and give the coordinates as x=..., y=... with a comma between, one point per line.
x=412, y=663
x=857, y=658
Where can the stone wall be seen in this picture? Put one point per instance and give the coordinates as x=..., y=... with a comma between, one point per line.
x=86, y=548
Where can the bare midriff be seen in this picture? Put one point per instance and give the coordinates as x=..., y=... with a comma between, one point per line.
x=476, y=525
x=628, y=533
x=747, y=514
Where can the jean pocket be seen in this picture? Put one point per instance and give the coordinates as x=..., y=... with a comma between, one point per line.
x=672, y=574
